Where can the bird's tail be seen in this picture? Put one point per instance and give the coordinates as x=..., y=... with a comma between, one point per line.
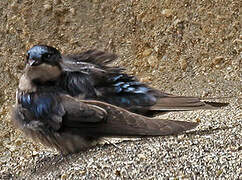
x=183, y=103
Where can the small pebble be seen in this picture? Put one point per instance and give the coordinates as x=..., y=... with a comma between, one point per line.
x=183, y=64
x=141, y=156
x=145, y=79
x=147, y=52
x=152, y=60
x=73, y=11
x=167, y=12
x=34, y=153
x=217, y=60
x=47, y=7
x=64, y=176
x=56, y=2
x=18, y=142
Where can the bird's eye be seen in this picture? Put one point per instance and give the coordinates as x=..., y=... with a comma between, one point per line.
x=46, y=56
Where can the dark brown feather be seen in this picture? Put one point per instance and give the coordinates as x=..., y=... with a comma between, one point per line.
x=91, y=59
x=184, y=103
x=93, y=56
x=81, y=123
x=120, y=122
x=88, y=75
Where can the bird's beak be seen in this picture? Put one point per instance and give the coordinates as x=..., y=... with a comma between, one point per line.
x=31, y=62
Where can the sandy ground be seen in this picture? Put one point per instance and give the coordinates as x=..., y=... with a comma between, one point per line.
x=182, y=47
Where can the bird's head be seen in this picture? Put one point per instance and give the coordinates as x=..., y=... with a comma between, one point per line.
x=40, y=54
x=43, y=63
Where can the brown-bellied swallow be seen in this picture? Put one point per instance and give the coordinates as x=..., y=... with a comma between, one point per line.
x=48, y=114
x=88, y=75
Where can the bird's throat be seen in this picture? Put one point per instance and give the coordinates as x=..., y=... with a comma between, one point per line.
x=42, y=74
x=26, y=84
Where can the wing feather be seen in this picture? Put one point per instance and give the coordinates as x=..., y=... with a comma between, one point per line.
x=120, y=122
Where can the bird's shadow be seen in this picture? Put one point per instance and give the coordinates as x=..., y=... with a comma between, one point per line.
x=52, y=162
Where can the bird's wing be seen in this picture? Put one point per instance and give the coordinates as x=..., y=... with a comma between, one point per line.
x=88, y=75
x=91, y=59
x=114, y=87
x=71, y=125
x=95, y=118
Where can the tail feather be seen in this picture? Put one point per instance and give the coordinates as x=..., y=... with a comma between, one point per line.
x=216, y=104
x=182, y=103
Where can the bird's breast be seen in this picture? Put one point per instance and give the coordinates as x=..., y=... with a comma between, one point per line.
x=38, y=105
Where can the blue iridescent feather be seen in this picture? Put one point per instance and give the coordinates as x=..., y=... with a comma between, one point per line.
x=40, y=106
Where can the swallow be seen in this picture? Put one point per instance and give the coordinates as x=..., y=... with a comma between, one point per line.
x=88, y=75
x=48, y=114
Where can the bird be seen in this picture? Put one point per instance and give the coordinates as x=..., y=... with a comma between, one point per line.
x=89, y=75
x=49, y=115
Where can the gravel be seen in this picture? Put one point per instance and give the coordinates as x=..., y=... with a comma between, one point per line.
x=188, y=48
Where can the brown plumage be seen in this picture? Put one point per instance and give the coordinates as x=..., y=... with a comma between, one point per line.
x=89, y=76
x=47, y=114
x=77, y=125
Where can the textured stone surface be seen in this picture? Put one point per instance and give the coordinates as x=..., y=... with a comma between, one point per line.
x=182, y=47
